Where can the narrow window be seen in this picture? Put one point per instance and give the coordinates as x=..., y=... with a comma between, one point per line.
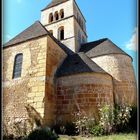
x=17, y=66
x=61, y=33
x=56, y=16
x=51, y=32
x=50, y=18
x=62, y=13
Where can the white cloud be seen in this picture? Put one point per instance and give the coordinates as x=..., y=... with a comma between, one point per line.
x=132, y=43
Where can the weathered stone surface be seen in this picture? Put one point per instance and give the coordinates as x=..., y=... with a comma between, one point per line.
x=83, y=92
x=121, y=69
x=19, y=92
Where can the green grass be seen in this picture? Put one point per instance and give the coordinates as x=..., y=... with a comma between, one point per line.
x=131, y=136
x=118, y=137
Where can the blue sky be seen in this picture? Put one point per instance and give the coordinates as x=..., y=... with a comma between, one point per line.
x=114, y=19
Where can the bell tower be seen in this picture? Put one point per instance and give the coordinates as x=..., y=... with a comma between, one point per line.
x=64, y=20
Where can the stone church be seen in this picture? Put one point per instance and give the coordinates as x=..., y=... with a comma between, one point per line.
x=51, y=67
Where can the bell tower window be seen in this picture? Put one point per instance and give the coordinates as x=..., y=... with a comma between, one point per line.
x=56, y=16
x=50, y=18
x=62, y=13
x=61, y=33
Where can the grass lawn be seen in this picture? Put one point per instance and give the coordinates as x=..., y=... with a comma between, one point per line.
x=118, y=137
x=130, y=136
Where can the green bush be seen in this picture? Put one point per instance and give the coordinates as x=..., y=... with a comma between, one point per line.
x=133, y=120
x=106, y=118
x=70, y=129
x=67, y=129
x=122, y=118
x=42, y=134
x=97, y=130
x=83, y=123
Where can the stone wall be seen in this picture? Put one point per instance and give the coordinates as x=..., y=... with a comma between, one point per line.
x=82, y=92
x=30, y=87
x=120, y=68
x=55, y=57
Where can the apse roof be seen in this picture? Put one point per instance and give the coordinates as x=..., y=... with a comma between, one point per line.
x=101, y=47
x=78, y=63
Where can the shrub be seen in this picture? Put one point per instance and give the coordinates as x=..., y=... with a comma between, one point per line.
x=42, y=134
x=83, y=123
x=133, y=120
x=17, y=129
x=115, y=119
x=70, y=128
x=97, y=130
x=122, y=117
x=106, y=119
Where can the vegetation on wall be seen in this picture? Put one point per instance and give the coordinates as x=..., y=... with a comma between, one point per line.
x=112, y=120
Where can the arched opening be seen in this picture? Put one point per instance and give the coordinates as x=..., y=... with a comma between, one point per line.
x=51, y=32
x=17, y=65
x=61, y=33
x=56, y=15
x=62, y=13
x=50, y=18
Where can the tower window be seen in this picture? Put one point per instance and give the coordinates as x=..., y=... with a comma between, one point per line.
x=56, y=16
x=50, y=17
x=61, y=33
x=62, y=13
x=17, y=65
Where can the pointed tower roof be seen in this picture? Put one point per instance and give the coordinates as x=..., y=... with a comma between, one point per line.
x=54, y=3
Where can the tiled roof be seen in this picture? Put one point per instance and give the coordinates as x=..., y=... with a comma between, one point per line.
x=100, y=47
x=54, y=3
x=78, y=63
x=35, y=30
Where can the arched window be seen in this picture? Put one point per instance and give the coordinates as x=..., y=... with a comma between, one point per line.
x=50, y=17
x=61, y=33
x=62, y=13
x=56, y=15
x=17, y=65
x=51, y=32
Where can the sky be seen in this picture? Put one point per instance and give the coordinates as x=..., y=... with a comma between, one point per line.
x=113, y=19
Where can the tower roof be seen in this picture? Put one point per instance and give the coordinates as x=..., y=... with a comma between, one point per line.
x=54, y=3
